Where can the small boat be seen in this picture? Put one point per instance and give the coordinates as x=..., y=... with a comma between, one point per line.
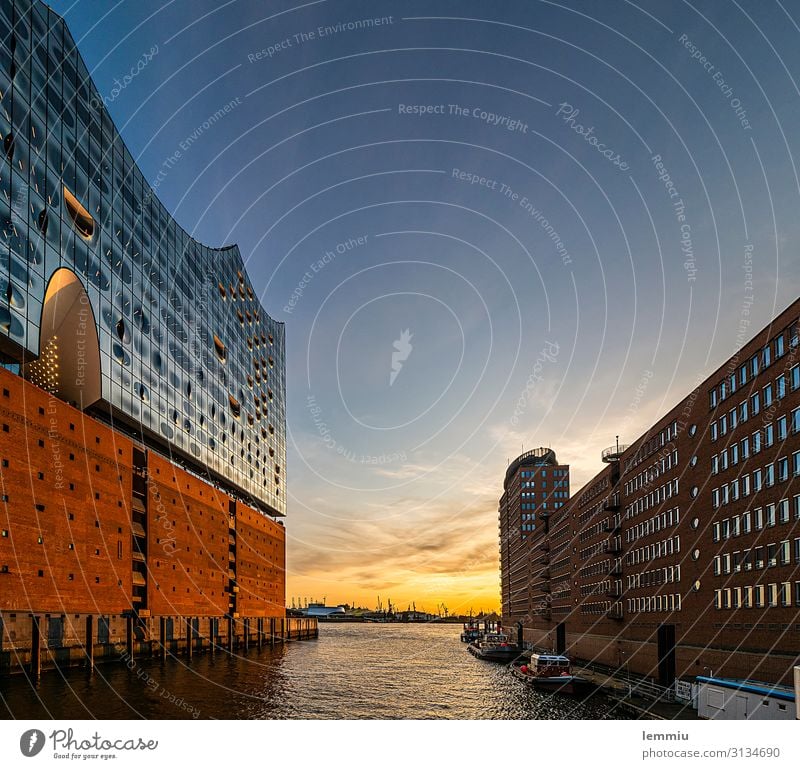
x=470, y=633
x=551, y=673
x=494, y=647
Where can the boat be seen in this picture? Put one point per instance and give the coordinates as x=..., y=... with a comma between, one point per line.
x=551, y=673
x=494, y=647
x=471, y=632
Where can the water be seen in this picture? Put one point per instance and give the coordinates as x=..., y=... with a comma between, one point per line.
x=352, y=671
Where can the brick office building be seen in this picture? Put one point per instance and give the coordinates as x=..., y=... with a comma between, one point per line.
x=535, y=487
x=685, y=548
x=143, y=387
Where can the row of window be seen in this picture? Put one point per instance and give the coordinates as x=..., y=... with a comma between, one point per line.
x=598, y=547
x=592, y=531
x=596, y=588
x=739, y=452
x=667, y=434
x=596, y=568
x=589, y=513
x=663, y=576
x=599, y=607
x=757, y=596
x=761, y=557
x=648, y=553
x=647, y=476
x=653, y=525
x=668, y=602
x=738, y=415
x=542, y=473
x=748, y=371
x=653, y=499
x=756, y=519
x=754, y=482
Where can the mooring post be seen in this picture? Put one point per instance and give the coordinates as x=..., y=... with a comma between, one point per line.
x=260, y=632
x=129, y=635
x=230, y=634
x=189, y=637
x=36, y=647
x=162, y=634
x=89, y=642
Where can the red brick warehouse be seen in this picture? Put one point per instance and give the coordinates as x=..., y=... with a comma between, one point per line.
x=682, y=556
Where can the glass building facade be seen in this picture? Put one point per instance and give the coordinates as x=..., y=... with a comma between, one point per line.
x=184, y=354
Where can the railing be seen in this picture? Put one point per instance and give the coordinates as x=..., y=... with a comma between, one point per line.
x=613, y=453
x=650, y=691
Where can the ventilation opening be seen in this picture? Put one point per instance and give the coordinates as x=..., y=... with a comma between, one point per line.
x=43, y=221
x=222, y=292
x=222, y=353
x=236, y=407
x=81, y=218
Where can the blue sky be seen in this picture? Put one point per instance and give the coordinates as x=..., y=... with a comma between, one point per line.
x=522, y=230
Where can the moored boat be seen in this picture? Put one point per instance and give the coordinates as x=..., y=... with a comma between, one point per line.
x=471, y=632
x=551, y=673
x=494, y=647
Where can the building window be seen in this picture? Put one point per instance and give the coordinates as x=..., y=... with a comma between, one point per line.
x=746, y=522
x=773, y=594
x=80, y=217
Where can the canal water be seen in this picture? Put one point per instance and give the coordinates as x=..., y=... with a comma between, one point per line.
x=351, y=671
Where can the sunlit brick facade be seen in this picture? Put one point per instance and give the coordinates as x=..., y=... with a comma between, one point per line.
x=685, y=548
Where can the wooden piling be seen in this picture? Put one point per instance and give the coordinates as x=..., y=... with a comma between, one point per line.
x=36, y=647
x=89, y=642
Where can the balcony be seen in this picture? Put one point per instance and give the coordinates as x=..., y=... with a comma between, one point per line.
x=615, y=612
x=544, y=546
x=611, y=503
x=613, y=524
x=613, y=453
x=616, y=568
x=614, y=545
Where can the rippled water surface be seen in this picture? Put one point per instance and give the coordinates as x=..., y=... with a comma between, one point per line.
x=351, y=671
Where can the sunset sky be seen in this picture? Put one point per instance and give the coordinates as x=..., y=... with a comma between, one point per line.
x=564, y=206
